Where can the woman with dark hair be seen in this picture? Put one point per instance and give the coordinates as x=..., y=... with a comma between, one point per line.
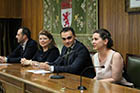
x=106, y=57
x=47, y=52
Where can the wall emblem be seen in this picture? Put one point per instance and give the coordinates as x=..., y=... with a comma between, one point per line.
x=66, y=13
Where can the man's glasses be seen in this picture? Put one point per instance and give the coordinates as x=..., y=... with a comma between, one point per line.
x=68, y=38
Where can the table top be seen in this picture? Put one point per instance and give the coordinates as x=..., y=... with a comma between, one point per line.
x=67, y=85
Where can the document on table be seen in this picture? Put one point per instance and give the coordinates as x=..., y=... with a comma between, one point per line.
x=39, y=71
x=4, y=64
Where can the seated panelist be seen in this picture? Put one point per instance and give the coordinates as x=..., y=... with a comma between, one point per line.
x=47, y=52
x=26, y=48
x=74, y=56
x=107, y=57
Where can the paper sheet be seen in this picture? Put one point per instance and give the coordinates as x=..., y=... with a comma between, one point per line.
x=4, y=64
x=39, y=71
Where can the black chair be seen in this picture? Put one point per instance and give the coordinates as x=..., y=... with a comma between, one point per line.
x=133, y=69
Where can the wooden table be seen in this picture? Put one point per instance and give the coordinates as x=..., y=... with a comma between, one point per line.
x=15, y=79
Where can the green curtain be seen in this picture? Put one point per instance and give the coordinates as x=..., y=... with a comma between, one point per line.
x=84, y=19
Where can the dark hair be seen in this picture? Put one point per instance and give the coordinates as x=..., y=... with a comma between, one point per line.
x=26, y=31
x=66, y=29
x=49, y=35
x=104, y=34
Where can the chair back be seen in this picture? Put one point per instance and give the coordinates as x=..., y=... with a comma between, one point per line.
x=133, y=69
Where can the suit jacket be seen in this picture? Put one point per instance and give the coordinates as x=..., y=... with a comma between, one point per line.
x=30, y=49
x=78, y=60
x=50, y=55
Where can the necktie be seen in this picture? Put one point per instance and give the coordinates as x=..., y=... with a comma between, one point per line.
x=67, y=55
x=68, y=51
x=22, y=51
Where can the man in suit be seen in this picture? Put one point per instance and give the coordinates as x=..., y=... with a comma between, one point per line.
x=76, y=60
x=26, y=48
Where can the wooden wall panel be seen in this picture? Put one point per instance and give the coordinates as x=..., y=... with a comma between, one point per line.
x=123, y=26
x=10, y=8
x=31, y=12
x=32, y=16
x=134, y=33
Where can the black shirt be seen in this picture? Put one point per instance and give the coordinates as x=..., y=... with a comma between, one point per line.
x=50, y=55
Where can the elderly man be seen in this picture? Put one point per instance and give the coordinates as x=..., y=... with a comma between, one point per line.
x=26, y=48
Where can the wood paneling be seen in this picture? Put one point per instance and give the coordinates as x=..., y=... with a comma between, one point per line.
x=31, y=12
x=123, y=26
x=10, y=8
x=32, y=16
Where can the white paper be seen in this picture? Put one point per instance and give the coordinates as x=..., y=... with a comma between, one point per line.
x=39, y=71
x=4, y=64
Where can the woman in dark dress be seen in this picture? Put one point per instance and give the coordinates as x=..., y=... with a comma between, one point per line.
x=48, y=51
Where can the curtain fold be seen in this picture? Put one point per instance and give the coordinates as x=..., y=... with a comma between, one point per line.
x=8, y=30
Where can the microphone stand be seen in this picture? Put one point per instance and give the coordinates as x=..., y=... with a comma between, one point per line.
x=57, y=76
x=81, y=87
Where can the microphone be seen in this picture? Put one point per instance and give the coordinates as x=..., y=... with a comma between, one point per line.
x=57, y=76
x=81, y=87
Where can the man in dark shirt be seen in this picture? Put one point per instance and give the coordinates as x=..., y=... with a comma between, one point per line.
x=26, y=48
x=74, y=56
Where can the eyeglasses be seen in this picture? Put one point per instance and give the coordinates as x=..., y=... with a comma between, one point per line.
x=68, y=38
